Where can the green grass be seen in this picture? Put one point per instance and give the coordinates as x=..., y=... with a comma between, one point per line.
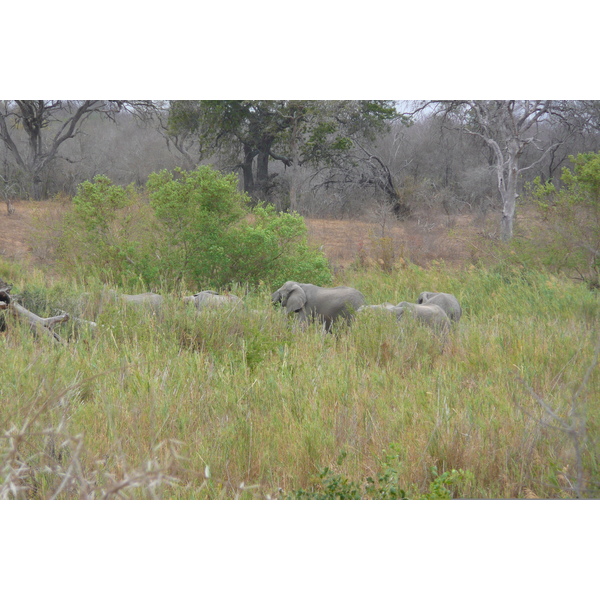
x=239, y=404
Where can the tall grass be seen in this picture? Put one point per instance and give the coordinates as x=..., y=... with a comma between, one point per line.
x=238, y=403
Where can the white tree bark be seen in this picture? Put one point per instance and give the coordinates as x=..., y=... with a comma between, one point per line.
x=37, y=324
x=507, y=127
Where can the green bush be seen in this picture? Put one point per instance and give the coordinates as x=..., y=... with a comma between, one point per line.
x=215, y=239
x=273, y=248
x=197, y=231
x=109, y=234
x=385, y=486
x=569, y=242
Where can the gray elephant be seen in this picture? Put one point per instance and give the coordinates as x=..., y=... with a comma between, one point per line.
x=430, y=314
x=384, y=306
x=448, y=302
x=310, y=302
x=208, y=298
x=146, y=299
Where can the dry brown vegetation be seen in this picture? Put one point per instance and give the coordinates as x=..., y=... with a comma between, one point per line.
x=26, y=236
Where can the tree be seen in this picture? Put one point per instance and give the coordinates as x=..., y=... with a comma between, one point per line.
x=47, y=125
x=507, y=127
x=250, y=127
x=291, y=132
x=342, y=143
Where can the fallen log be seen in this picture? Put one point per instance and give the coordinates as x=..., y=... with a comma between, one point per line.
x=38, y=325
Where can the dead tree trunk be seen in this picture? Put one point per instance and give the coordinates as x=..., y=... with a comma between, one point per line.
x=39, y=325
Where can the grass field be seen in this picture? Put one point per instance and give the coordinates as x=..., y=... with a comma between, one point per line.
x=240, y=404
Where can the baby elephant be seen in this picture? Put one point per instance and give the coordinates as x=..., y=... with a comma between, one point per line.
x=430, y=314
x=448, y=302
x=208, y=298
x=146, y=299
x=385, y=306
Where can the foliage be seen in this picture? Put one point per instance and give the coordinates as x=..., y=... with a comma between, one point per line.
x=292, y=132
x=279, y=250
x=334, y=133
x=441, y=486
x=97, y=203
x=570, y=241
x=197, y=231
x=198, y=210
x=331, y=486
x=110, y=233
x=217, y=240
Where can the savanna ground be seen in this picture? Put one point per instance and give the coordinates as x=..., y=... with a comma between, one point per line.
x=455, y=240
x=241, y=405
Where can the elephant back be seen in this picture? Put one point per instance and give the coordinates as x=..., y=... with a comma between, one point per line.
x=447, y=302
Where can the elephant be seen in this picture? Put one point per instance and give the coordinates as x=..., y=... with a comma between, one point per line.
x=310, y=302
x=208, y=298
x=448, y=302
x=384, y=306
x=146, y=299
x=430, y=314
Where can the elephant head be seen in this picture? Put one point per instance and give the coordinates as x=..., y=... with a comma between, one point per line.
x=310, y=301
x=291, y=296
x=447, y=302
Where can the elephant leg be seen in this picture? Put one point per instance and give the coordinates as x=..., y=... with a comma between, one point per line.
x=302, y=318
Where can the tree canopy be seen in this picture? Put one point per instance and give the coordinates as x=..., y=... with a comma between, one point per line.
x=321, y=133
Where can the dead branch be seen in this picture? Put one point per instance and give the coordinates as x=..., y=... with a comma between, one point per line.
x=38, y=324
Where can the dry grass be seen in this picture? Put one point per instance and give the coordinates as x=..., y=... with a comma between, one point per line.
x=174, y=405
x=29, y=235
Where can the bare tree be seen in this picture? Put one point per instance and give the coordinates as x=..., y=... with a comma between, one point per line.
x=507, y=127
x=47, y=124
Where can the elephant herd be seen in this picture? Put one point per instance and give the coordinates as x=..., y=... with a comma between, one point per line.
x=310, y=302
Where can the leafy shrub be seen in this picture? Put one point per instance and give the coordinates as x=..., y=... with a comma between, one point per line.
x=216, y=240
x=385, y=486
x=274, y=248
x=109, y=233
x=571, y=240
x=332, y=486
x=197, y=230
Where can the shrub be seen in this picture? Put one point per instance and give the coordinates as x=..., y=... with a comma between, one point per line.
x=110, y=234
x=571, y=240
x=275, y=249
x=385, y=486
x=197, y=230
x=216, y=240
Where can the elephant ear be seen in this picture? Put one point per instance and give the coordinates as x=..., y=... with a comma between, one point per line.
x=296, y=299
